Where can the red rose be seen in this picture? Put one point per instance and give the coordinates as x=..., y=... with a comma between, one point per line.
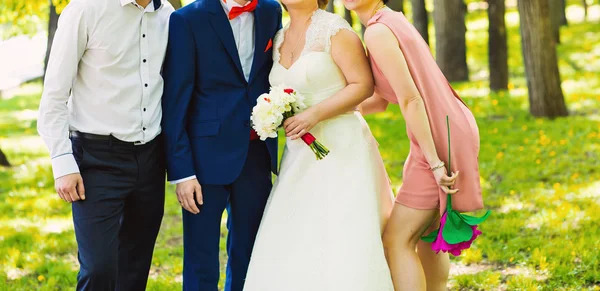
x=267, y=99
x=288, y=91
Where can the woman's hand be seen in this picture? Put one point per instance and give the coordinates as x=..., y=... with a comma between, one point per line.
x=300, y=124
x=445, y=181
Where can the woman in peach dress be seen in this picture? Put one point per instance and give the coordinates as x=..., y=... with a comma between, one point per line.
x=406, y=74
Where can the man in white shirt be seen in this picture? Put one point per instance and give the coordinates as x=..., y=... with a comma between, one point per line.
x=218, y=62
x=100, y=117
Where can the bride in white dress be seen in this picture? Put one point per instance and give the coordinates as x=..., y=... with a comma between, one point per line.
x=321, y=230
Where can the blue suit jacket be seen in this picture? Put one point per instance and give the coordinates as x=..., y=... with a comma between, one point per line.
x=207, y=102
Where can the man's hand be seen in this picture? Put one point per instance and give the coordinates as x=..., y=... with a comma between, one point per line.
x=70, y=187
x=185, y=194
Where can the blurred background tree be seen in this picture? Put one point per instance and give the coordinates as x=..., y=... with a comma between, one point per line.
x=420, y=17
x=176, y=4
x=450, y=41
x=539, y=54
x=396, y=5
x=497, y=45
x=3, y=159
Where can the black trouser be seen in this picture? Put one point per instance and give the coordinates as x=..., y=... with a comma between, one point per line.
x=116, y=226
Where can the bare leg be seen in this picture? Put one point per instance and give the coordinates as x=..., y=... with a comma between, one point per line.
x=402, y=233
x=435, y=266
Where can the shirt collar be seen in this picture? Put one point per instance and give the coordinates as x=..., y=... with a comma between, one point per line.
x=229, y=4
x=157, y=3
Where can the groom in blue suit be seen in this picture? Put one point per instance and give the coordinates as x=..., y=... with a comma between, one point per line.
x=218, y=62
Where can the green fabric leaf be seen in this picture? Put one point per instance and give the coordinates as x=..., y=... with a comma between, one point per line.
x=473, y=220
x=431, y=237
x=456, y=230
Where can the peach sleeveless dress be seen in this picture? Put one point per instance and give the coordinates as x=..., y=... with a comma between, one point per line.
x=419, y=189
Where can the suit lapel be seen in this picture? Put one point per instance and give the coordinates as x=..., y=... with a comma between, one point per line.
x=260, y=42
x=222, y=27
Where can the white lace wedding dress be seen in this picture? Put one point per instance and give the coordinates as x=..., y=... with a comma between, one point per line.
x=321, y=229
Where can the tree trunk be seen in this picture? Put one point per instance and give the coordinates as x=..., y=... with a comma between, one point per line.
x=555, y=12
x=539, y=54
x=563, y=13
x=3, y=159
x=450, y=48
x=497, y=46
x=52, y=25
x=348, y=16
x=330, y=6
x=585, y=9
x=176, y=4
x=396, y=5
x=421, y=18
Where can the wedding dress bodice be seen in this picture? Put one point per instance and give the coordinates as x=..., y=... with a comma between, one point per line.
x=314, y=74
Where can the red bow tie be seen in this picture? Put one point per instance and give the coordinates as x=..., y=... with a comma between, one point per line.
x=237, y=11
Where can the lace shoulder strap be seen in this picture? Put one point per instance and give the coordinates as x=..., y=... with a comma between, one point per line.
x=277, y=42
x=323, y=26
x=336, y=24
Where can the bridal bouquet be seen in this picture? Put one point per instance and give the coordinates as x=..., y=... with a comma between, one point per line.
x=273, y=108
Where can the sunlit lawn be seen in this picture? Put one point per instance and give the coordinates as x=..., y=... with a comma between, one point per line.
x=540, y=177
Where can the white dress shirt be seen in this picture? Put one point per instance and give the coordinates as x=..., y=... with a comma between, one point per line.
x=103, y=76
x=243, y=33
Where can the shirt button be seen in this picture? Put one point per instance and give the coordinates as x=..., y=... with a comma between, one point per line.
x=144, y=129
x=143, y=35
x=146, y=85
x=144, y=60
x=144, y=109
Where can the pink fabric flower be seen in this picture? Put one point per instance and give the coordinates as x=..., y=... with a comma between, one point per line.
x=455, y=249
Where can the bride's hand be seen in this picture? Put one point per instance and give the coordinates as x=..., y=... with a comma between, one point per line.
x=445, y=181
x=300, y=124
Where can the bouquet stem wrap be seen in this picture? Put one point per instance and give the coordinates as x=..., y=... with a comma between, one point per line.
x=318, y=148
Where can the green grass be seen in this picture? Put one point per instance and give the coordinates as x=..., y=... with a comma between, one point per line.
x=540, y=177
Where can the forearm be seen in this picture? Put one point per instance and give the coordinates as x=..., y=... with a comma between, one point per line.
x=53, y=124
x=53, y=127
x=418, y=122
x=179, y=78
x=344, y=101
x=374, y=104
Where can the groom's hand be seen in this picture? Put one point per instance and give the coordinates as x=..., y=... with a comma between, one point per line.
x=70, y=187
x=186, y=191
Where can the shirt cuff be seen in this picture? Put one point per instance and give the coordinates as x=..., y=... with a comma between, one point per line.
x=64, y=165
x=182, y=180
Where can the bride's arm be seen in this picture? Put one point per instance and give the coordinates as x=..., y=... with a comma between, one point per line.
x=375, y=104
x=349, y=54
